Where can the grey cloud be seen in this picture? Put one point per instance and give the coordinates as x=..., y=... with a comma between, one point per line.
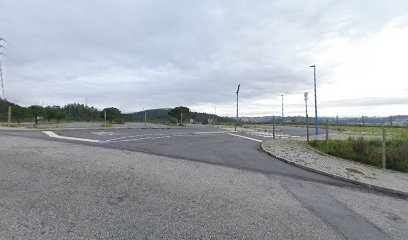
x=164, y=53
x=366, y=102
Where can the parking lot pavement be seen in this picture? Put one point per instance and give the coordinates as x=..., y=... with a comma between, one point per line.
x=214, y=146
x=113, y=189
x=57, y=190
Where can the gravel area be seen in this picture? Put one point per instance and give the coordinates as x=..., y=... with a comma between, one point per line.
x=298, y=153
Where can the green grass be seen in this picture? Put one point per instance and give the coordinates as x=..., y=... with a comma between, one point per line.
x=368, y=151
x=107, y=124
x=372, y=131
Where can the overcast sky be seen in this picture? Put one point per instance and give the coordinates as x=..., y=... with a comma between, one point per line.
x=135, y=54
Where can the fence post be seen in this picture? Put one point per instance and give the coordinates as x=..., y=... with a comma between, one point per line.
x=273, y=126
x=384, y=157
x=327, y=130
x=307, y=128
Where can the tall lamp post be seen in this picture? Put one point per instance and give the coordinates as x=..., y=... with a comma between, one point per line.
x=236, y=124
x=282, y=110
x=307, y=117
x=315, y=100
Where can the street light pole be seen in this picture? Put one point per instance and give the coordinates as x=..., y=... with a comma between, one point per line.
x=315, y=100
x=236, y=124
x=282, y=110
x=307, y=117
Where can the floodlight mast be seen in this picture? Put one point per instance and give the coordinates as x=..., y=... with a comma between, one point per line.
x=236, y=124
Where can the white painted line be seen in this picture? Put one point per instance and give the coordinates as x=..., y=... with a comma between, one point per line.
x=133, y=136
x=128, y=140
x=138, y=139
x=53, y=135
x=212, y=132
x=105, y=133
x=253, y=139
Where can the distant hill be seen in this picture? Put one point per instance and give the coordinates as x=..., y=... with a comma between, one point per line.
x=399, y=120
x=162, y=114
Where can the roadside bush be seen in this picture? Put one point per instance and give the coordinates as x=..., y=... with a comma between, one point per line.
x=118, y=121
x=173, y=121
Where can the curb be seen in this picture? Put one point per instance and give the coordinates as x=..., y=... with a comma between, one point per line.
x=366, y=185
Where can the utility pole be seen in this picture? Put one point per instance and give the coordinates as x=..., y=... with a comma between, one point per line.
x=307, y=117
x=9, y=116
x=315, y=100
x=282, y=110
x=236, y=124
x=1, y=72
x=145, y=116
x=2, y=82
x=215, y=114
x=181, y=117
x=104, y=113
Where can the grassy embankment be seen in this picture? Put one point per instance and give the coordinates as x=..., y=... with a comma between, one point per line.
x=364, y=145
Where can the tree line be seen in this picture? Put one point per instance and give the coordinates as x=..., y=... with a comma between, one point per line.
x=70, y=112
x=81, y=112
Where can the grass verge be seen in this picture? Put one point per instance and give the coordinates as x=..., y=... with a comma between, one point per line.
x=368, y=151
x=108, y=124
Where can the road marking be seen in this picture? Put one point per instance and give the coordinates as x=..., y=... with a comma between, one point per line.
x=53, y=135
x=253, y=139
x=211, y=132
x=133, y=136
x=105, y=133
x=128, y=140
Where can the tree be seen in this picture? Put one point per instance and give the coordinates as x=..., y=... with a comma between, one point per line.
x=59, y=115
x=50, y=113
x=177, y=113
x=80, y=112
x=18, y=112
x=36, y=111
x=112, y=114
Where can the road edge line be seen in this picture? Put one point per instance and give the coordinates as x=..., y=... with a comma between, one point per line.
x=54, y=135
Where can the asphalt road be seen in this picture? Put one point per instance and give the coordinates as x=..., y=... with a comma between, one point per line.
x=330, y=215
